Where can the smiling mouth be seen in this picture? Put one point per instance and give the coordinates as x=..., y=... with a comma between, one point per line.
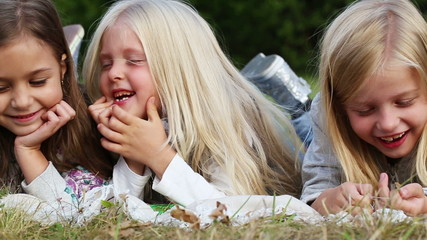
x=393, y=138
x=122, y=95
x=24, y=116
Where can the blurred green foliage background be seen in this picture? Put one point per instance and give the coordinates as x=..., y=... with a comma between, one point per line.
x=289, y=28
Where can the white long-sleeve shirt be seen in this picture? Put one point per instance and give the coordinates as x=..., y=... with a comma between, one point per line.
x=180, y=183
x=48, y=186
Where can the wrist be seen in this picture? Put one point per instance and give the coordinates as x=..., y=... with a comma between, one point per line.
x=135, y=166
x=161, y=163
x=32, y=163
x=23, y=153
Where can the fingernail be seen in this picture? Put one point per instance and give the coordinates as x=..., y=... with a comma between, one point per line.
x=404, y=191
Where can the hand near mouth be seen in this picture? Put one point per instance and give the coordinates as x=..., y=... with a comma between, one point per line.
x=27, y=148
x=100, y=108
x=138, y=140
x=54, y=119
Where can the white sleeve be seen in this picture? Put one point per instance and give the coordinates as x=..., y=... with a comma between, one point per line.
x=125, y=181
x=48, y=186
x=184, y=186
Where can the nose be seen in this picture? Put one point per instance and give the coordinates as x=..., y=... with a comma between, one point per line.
x=21, y=98
x=388, y=120
x=116, y=71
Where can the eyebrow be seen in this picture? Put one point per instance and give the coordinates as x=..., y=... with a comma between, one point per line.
x=125, y=52
x=360, y=103
x=32, y=73
x=40, y=70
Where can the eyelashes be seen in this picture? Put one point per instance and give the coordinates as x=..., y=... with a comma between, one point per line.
x=105, y=64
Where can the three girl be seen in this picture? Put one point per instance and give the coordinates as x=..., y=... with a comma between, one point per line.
x=45, y=128
x=374, y=105
x=174, y=105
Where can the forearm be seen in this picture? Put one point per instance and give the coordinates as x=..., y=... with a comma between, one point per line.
x=32, y=163
x=49, y=185
x=126, y=181
x=184, y=186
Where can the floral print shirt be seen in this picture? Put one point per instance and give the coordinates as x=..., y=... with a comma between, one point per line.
x=79, y=181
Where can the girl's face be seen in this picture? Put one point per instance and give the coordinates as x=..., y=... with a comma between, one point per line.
x=30, y=84
x=390, y=111
x=125, y=74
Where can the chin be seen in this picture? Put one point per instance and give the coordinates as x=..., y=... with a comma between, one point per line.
x=397, y=154
x=25, y=130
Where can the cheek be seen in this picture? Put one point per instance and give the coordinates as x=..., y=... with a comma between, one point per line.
x=4, y=102
x=52, y=95
x=359, y=125
x=55, y=98
x=103, y=86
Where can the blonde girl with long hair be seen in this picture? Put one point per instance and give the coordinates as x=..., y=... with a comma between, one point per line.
x=171, y=102
x=373, y=77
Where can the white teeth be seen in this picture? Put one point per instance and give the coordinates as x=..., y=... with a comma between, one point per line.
x=117, y=95
x=125, y=98
x=121, y=96
x=390, y=139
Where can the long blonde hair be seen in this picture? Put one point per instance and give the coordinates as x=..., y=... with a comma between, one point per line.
x=358, y=44
x=215, y=115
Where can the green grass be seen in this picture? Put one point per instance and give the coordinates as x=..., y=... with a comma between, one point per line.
x=314, y=83
x=14, y=225
x=114, y=225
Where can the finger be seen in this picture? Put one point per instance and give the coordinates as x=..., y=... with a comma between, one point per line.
x=96, y=108
x=51, y=125
x=365, y=189
x=111, y=146
x=70, y=111
x=357, y=210
x=104, y=116
x=395, y=199
x=349, y=195
x=383, y=190
x=152, y=113
x=99, y=104
x=413, y=190
x=62, y=113
x=100, y=100
x=122, y=115
x=110, y=134
x=116, y=125
x=363, y=199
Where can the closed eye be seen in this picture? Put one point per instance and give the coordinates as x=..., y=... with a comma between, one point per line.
x=404, y=103
x=138, y=62
x=4, y=89
x=106, y=64
x=38, y=82
x=364, y=112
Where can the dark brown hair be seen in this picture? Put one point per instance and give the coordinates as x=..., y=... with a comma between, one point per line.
x=78, y=141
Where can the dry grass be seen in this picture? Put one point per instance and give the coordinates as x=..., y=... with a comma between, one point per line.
x=14, y=225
